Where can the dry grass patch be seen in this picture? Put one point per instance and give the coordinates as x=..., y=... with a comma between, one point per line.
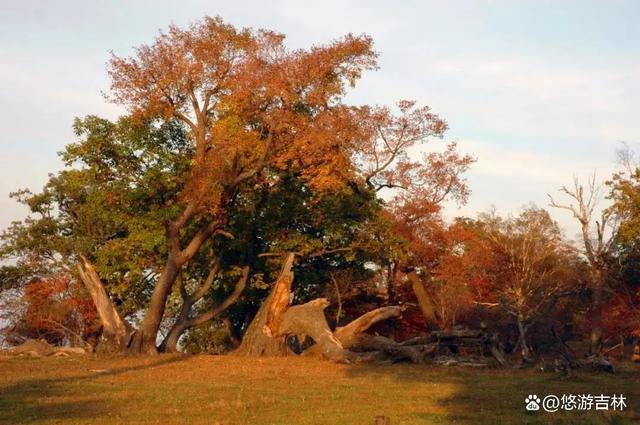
x=233, y=390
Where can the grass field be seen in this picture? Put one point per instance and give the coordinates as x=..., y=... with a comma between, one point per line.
x=232, y=390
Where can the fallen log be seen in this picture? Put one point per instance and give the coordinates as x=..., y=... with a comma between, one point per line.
x=596, y=364
x=276, y=320
x=349, y=334
x=451, y=361
x=41, y=348
x=309, y=320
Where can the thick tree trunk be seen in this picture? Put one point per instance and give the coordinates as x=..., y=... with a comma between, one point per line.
x=144, y=340
x=116, y=332
x=424, y=300
x=262, y=338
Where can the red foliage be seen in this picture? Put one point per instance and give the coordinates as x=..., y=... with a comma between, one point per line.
x=58, y=309
x=621, y=315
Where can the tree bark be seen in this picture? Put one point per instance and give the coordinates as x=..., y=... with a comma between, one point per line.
x=524, y=348
x=116, y=332
x=350, y=334
x=309, y=320
x=424, y=300
x=262, y=338
x=595, y=337
x=144, y=340
x=170, y=343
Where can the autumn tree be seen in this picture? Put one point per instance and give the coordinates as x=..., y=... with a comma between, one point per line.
x=56, y=309
x=623, y=307
x=152, y=212
x=395, y=164
x=328, y=231
x=251, y=106
x=529, y=272
x=460, y=274
x=597, y=240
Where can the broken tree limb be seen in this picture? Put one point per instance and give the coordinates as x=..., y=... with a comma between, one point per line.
x=352, y=335
x=414, y=353
x=116, y=332
x=262, y=337
x=425, y=302
x=309, y=320
x=275, y=320
x=279, y=302
x=349, y=334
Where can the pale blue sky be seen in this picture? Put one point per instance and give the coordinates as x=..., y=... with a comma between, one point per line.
x=537, y=90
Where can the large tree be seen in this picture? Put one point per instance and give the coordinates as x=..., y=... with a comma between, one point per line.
x=598, y=234
x=530, y=267
x=251, y=107
x=106, y=209
x=227, y=130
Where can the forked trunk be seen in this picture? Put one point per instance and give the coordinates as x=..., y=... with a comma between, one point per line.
x=144, y=340
x=184, y=322
x=267, y=333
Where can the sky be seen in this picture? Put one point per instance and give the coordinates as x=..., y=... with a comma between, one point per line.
x=538, y=91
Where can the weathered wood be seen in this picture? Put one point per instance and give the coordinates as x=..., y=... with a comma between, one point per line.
x=596, y=364
x=41, y=348
x=262, y=337
x=427, y=307
x=352, y=335
x=414, y=353
x=367, y=342
x=348, y=335
x=309, y=320
x=116, y=332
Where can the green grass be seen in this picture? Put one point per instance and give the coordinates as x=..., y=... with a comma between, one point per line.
x=233, y=390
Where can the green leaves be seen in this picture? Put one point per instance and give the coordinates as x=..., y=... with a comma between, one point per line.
x=120, y=184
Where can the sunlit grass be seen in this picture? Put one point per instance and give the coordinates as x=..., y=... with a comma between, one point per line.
x=232, y=390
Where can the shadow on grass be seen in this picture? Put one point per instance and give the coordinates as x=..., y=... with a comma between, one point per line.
x=32, y=400
x=460, y=395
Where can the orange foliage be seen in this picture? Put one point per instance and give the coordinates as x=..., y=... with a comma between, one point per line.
x=57, y=308
x=249, y=102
